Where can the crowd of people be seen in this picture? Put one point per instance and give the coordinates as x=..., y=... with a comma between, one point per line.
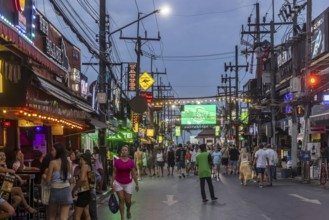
x=248, y=163
x=73, y=179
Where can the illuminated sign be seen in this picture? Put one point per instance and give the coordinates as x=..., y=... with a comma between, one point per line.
x=217, y=129
x=150, y=132
x=84, y=88
x=135, y=122
x=319, y=34
x=198, y=115
x=146, y=81
x=325, y=98
x=132, y=77
x=75, y=75
x=148, y=96
x=178, y=132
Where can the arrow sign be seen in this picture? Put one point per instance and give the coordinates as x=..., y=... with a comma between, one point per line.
x=314, y=201
x=170, y=200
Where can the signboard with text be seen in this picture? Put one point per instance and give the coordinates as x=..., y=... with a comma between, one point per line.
x=132, y=77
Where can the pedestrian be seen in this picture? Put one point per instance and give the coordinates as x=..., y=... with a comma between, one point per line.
x=171, y=161
x=225, y=158
x=216, y=158
x=271, y=165
x=160, y=162
x=144, y=162
x=150, y=162
x=203, y=163
x=245, y=168
x=188, y=160
x=193, y=159
x=99, y=167
x=58, y=175
x=83, y=187
x=138, y=158
x=180, y=159
x=234, y=157
x=260, y=161
x=123, y=174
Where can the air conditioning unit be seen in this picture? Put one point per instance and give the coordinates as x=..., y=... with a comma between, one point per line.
x=295, y=85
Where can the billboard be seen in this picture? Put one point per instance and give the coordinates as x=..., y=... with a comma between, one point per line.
x=198, y=115
x=319, y=36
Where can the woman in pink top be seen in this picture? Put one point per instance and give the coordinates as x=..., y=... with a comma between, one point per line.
x=123, y=174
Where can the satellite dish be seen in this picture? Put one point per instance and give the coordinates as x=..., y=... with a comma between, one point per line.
x=138, y=104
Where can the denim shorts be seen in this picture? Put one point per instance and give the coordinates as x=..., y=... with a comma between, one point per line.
x=2, y=200
x=60, y=196
x=270, y=170
x=181, y=164
x=260, y=170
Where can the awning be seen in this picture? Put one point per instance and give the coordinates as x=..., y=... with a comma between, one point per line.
x=319, y=113
x=63, y=95
x=97, y=123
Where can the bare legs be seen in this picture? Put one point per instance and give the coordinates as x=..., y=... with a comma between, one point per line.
x=124, y=198
x=8, y=210
x=64, y=212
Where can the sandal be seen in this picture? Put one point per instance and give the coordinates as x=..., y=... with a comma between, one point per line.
x=31, y=210
x=128, y=215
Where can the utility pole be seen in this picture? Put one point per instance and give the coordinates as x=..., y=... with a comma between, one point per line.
x=236, y=68
x=228, y=98
x=294, y=113
x=256, y=35
x=102, y=88
x=139, y=40
x=308, y=106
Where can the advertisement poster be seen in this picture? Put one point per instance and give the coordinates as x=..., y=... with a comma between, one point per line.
x=198, y=115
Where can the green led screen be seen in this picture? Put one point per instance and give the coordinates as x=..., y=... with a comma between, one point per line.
x=198, y=115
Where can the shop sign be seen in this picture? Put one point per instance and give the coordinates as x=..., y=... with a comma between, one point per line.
x=132, y=77
x=43, y=25
x=150, y=132
x=75, y=75
x=57, y=130
x=148, y=96
x=319, y=36
x=317, y=129
x=26, y=123
x=135, y=122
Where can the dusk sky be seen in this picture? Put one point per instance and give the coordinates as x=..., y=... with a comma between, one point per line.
x=197, y=37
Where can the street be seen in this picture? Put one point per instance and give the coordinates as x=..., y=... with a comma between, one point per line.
x=177, y=199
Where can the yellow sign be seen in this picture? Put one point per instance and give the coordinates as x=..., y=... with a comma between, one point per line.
x=150, y=132
x=146, y=81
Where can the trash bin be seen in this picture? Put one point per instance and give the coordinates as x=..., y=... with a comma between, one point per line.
x=286, y=173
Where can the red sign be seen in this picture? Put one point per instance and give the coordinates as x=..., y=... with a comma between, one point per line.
x=148, y=96
x=132, y=77
x=317, y=129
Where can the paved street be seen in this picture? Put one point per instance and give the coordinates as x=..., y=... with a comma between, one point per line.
x=172, y=198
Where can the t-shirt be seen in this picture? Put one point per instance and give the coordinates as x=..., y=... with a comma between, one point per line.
x=159, y=157
x=193, y=156
x=234, y=154
x=225, y=152
x=216, y=157
x=202, y=162
x=272, y=157
x=180, y=155
x=261, y=156
x=123, y=175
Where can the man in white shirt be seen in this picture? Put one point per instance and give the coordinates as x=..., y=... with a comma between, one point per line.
x=260, y=160
x=271, y=165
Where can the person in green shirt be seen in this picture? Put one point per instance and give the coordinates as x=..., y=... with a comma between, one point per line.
x=203, y=163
